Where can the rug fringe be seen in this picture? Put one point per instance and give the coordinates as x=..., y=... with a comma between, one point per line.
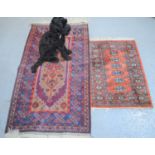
x=71, y=20
x=110, y=38
x=17, y=134
x=76, y=20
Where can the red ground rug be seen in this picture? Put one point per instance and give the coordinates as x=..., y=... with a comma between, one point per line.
x=56, y=98
x=117, y=75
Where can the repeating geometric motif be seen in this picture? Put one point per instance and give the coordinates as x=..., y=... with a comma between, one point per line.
x=68, y=105
x=117, y=76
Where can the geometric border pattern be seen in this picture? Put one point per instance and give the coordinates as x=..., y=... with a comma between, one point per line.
x=117, y=75
x=77, y=119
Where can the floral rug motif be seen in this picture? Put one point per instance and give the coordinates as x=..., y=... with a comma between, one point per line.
x=117, y=75
x=56, y=98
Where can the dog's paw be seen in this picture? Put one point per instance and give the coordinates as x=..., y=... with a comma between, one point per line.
x=69, y=52
x=33, y=69
x=68, y=58
x=55, y=60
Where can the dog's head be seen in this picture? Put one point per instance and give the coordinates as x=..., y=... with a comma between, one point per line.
x=59, y=25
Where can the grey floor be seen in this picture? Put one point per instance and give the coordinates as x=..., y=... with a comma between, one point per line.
x=105, y=122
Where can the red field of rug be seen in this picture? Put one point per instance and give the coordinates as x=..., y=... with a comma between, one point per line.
x=117, y=75
x=56, y=98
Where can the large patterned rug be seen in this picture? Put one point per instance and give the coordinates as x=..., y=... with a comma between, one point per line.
x=117, y=76
x=56, y=98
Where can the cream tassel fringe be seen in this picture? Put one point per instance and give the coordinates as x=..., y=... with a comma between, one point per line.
x=17, y=134
x=76, y=20
x=110, y=38
x=71, y=20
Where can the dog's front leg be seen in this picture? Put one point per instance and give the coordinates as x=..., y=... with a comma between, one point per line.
x=37, y=64
x=64, y=53
x=52, y=57
x=68, y=51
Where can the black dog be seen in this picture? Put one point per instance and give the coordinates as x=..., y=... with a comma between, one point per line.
x=52, y=42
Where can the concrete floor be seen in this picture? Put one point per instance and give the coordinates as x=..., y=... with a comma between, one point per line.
x=105, y=122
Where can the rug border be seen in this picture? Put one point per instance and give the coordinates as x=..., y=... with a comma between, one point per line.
x=142, y=67
x=89, y=80
x=17, y=74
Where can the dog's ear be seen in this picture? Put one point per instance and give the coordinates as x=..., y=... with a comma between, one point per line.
x=66, y=29
x=51, y=26
x=63, y=21
x=55, y=25
x=55, y=20
x=55, y=28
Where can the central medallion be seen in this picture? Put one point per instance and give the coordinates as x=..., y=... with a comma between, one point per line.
x=51, y=88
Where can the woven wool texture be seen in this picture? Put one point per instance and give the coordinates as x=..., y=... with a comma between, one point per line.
x=56, y=98
x=117, y=75
x=101, y=74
